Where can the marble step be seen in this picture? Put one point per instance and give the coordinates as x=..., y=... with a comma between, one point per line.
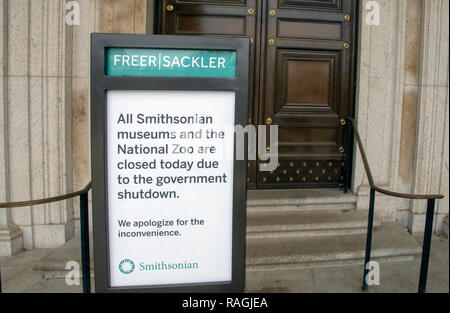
x=305, y=199
x=267, y=224
x=391, y=242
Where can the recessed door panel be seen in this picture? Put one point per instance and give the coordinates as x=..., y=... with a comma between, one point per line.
x=217, y=25
x=222, y=2
x=312, y=4
x=309, y=30
x=306, y=83
x=307, y=89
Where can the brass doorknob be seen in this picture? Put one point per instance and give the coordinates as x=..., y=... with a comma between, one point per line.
x=272, y=12
x=169, y=8
x=251, y=11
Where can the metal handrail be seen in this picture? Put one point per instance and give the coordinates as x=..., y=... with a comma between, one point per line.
x=84, y=227
x=373, y=188
x=47, y=200
x=370, y=178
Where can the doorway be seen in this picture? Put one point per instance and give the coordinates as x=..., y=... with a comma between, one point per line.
x=302, y=64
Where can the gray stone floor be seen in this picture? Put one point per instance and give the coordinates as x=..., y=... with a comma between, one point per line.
x=19, y=274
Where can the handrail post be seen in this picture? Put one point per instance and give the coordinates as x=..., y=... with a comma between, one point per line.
x=347, y=160
x=426, y=246
x=84, y=234
x=369, y=237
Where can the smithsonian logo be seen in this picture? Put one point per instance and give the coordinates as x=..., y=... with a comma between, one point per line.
x=127, y=266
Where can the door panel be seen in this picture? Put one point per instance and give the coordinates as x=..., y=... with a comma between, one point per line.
x=309, y=30
x=192, y=24
x=301, y=77
x=224, y=18
x=307, y=90
x=312, y=4
x=208, y=17
x=220, y=2
x=306, y=83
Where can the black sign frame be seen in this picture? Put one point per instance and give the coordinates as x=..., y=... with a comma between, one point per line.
x=100, y=83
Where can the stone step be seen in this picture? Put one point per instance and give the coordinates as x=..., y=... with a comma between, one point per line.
x=391, y=242
x=267, y=224
x=305, y=199
x=54, y=264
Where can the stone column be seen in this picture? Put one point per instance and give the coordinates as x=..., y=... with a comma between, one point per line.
x=81, y=143
x=410, y=99
x=11, y=239
x=379, y=103
x=37, y=128
x=431, y=172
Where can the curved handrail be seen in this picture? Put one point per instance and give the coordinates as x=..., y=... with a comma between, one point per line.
x=370, y=177
x=47, y=200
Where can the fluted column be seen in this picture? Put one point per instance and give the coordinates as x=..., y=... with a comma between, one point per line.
x=379, y=103
x=11, y=239
x=37, y=119
x=431, y=172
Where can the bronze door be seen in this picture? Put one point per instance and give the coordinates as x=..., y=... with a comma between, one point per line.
x=302, y=73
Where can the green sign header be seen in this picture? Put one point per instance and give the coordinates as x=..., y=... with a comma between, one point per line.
x=170, y=63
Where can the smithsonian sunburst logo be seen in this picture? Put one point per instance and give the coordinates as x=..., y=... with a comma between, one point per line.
x=126, y=266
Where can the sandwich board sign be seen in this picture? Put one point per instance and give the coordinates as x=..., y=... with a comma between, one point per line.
x=169, y=196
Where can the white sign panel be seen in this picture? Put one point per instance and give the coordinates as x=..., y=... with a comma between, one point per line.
x=170, y=186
